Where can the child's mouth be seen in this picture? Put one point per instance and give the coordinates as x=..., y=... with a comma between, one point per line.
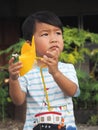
x=54, y=47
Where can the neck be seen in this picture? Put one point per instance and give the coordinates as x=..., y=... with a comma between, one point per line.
x=41, y=64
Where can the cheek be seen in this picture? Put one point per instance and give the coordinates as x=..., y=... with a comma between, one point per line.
x=41, y=49
x=62, y=46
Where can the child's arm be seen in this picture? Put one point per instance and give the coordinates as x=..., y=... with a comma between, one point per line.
x=17, y=95
x=65, y=84
x=51, y=60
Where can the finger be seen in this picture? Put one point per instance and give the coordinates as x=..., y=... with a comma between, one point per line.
x=11, y=61
x=49, y=61
x=53, y=54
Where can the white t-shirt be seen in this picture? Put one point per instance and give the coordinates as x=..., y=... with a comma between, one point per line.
x=31, y=83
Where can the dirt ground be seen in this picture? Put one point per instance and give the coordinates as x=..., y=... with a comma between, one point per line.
x=85, y=127
x=10, y=124
x=18, y=125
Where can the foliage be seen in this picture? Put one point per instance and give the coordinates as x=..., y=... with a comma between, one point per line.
x=88, y=98
x=78, y=37
x=94, y=58
x=15, y=48
x=75, y=44
x=4, y=94
x=4, y=97
x=93, y=120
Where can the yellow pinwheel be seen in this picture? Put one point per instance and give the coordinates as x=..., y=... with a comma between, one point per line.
x=27, y=57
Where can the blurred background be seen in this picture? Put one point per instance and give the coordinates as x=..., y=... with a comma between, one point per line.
x=78, y=14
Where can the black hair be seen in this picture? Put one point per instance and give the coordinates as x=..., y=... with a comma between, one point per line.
x=48, y=17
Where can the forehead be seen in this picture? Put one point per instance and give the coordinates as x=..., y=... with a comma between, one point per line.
x=44, y=26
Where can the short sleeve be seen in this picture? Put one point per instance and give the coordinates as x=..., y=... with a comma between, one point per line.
x=69, y=71
x=23, y=83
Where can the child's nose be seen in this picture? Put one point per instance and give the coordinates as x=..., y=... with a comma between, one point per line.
x=53, y=40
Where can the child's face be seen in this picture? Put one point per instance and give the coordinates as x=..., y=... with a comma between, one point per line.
x=47, y=38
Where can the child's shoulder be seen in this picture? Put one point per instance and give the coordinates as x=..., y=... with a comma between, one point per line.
x=68, y=65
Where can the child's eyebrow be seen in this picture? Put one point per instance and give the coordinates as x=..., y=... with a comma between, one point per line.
x=44, y=30
x=47, y=30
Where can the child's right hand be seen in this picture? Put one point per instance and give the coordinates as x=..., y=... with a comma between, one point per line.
x=14, y=68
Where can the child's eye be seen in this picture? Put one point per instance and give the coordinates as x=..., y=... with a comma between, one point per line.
x=44, y=34
x=58, y=33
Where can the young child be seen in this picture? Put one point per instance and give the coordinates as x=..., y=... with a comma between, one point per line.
x=49, y=108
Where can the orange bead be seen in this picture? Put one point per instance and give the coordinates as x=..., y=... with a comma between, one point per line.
x=59, y=127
